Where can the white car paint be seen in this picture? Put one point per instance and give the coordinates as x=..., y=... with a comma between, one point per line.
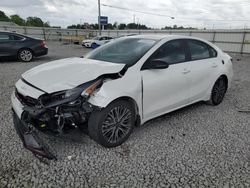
x=68, y=73
x=97, y=40
x=158, y=100
x=154, y=92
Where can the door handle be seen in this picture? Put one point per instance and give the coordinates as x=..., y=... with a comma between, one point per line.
x=185, y=71
x=214, y=65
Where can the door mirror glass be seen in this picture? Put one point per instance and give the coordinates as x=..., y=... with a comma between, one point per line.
x=155, y=64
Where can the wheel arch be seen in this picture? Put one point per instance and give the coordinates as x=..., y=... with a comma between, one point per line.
x=210, y=88
x=130, y=100
x=223, y=76
x=23, y=48
x=133, y=104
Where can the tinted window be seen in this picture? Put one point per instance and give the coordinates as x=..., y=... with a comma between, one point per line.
x=171, y=52
x=198, y=50
x=4, y=37
x=15, y=37
x=213, y=52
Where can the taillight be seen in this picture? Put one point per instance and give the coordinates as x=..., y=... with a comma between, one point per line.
x=43, y=43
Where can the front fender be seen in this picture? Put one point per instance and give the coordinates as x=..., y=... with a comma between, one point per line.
x=127, y=86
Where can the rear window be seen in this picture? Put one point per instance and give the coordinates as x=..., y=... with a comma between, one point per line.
x=213, y=52
x=7, y=37
x=15, y=37
x=198, y=50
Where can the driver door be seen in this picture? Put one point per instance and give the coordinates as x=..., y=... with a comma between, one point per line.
x=166, y=89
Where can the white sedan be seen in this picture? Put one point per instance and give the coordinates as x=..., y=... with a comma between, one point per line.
x=97, y=41
x=117, y=86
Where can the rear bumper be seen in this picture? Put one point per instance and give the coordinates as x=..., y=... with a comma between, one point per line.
x=40, y=52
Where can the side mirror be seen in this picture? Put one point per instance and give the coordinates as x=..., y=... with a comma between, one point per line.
x=155, y=64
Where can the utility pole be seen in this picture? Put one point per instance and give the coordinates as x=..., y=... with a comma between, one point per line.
x=134, y=18
x=99, y=16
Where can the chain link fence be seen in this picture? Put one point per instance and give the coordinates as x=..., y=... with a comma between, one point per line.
x=235, y=41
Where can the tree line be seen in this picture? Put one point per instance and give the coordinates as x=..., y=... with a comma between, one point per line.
x=109, y=26
x=38, y=22
x=30, y=21
x=123, y=26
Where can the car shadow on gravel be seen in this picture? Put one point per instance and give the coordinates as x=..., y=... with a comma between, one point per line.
x=58, y=144
x=9, y=60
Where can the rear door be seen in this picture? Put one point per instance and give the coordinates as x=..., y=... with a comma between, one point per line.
x=203, y=64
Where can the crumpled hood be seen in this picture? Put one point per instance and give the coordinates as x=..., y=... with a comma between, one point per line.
x=68, y=73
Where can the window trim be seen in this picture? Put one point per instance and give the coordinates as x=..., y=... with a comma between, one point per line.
x=12, y=34
x=209, y=47
x=15, y=35
x=7, y=35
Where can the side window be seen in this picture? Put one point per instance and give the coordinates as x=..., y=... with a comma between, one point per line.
x=4, y=37
x=198, y=50
x=171, y=52
x=213, y=52
x=15, y=37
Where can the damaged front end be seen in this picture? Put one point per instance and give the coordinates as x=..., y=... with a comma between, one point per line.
x=56, y=112
x=53, y=113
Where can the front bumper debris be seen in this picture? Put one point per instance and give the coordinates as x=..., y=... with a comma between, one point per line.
x=31, y=141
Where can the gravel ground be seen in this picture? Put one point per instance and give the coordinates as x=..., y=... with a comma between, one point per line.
x=198, y=146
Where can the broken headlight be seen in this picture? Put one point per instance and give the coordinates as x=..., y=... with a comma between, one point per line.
x=91, y=88
x=75, y=92
x=84, y=90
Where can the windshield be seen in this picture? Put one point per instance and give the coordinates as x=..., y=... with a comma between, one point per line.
x=124, y=51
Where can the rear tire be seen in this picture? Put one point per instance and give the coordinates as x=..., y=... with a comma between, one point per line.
x=25, y=55
x=218, y=92
x=112, y=126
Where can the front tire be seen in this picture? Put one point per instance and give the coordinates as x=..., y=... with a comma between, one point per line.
x=94, y=45
x=113, y=125
x=218, y=91
x=25, y=55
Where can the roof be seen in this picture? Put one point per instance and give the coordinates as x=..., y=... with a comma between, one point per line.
x=168, y=36
x=160, y=36
x=13, y=32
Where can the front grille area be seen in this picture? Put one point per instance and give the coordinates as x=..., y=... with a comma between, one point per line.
x=26, y=100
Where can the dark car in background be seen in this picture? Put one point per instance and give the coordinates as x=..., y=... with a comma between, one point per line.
x=21, y=46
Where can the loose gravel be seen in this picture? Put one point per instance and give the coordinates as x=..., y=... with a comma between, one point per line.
x=198, y=146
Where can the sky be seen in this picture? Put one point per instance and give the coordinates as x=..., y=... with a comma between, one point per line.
x=223, y=14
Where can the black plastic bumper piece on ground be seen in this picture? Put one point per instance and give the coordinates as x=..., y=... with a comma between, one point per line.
x=30, y=139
